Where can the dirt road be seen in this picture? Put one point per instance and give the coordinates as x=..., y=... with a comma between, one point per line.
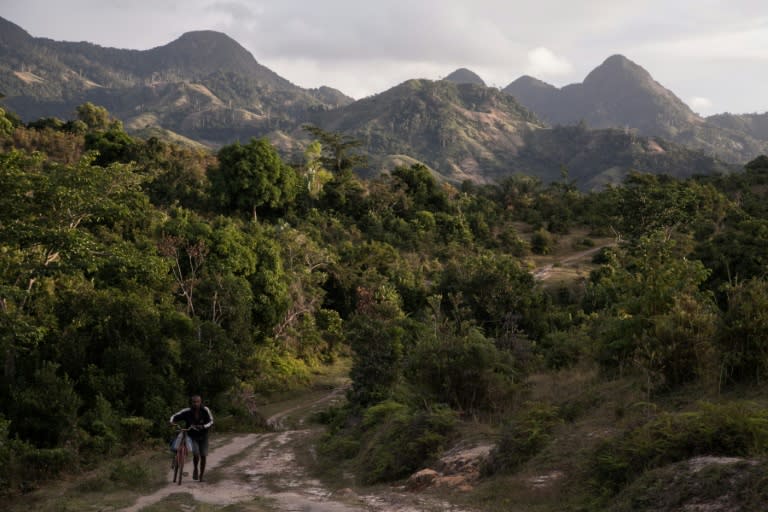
x=261, y=472
x=542, y=273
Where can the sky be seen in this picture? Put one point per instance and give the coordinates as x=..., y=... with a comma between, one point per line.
x=712, y=54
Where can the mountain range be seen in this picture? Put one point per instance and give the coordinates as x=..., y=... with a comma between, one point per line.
x=206, y=87
x=621, y=94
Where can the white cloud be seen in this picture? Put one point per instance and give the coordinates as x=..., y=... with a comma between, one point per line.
x=700, y=104
x=747, y=43
x=543, y=62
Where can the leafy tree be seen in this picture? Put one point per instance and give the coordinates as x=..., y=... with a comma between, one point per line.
x=743, y=335
x=653, y=313
x=339, y=152
x=376, y=333
x=315, y=174
x=45, y=409
x=493, y=287
x=253, y=178
x=422, y=187
x=95, y=118
x=467, y=372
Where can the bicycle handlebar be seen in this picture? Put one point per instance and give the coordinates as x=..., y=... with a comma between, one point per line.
x=179, y=429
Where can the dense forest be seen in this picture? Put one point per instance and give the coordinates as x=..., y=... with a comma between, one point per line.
x=135, y=272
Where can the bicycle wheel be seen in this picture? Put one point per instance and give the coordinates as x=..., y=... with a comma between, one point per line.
x=182, y=454
x=175, y=466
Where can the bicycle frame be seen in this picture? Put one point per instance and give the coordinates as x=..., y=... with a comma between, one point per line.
x=180, y=456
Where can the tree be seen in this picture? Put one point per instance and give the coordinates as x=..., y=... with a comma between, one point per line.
x=652, y=313
x=743, y=335
x=253, y=178
x=376, y=333
x=95, y=117
x=315, y=174
x=339, y=151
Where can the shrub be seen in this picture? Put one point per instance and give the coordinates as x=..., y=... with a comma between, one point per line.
x=523, y=438
x=736, y=429
x=399, y=440
x=742, y=337
x=542, y=242
x=561, y=349
x=466, y=372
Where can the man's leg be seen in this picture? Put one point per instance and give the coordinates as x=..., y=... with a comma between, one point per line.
x=203, y=445
x=195, y=457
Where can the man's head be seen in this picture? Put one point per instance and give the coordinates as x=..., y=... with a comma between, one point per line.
x=195, y=401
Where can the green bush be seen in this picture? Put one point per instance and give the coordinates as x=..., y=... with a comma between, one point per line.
x=523, y=438
x=388, y=440
x=469, y=373
x=736, y=429
x=135, y=429
x=561, y=349
x=542, y=242
x=398, y=440
x=129, y=474
x=742, y=337
x=42, y=463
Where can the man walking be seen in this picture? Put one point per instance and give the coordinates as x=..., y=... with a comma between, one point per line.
x=198, y=419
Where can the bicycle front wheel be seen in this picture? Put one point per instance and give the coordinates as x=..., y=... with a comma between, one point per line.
x=182, y=454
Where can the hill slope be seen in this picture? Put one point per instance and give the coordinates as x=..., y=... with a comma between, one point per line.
x=621, y=94
x=203, y=85
x=470, y=132
x=465, y=76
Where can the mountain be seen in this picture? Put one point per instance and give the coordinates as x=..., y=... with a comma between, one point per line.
x=466, y=131
x=207, y=88
x=755, y=125
x=621, y=94
x=464, y=76
x=463, y=130
x=204, y=85
x=538, y=96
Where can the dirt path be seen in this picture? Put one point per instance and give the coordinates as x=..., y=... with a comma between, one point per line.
x=252, y=467
x=543, y=273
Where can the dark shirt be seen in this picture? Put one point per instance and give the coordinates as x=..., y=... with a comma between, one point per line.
x=202, y=422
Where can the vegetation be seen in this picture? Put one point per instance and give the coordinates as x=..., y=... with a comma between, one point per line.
x=134, y=272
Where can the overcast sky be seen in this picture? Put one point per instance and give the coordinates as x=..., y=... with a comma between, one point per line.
x=713, y=54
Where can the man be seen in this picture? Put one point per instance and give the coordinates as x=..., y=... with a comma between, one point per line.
x=199, y=420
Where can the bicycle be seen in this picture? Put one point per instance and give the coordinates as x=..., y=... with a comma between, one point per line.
x=180, y=456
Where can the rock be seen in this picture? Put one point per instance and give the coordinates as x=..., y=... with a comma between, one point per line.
x=345, y=493
x=422, y=479
x=465, y=461
x=457, y=482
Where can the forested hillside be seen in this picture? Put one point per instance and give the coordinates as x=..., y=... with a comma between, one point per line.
x=134, y=272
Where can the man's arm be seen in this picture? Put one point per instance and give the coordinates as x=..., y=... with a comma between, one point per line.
x=174, y=419
x=210, y=418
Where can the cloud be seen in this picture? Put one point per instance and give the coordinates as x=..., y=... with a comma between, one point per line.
x=699, y=104
x=543, y=62
x=746, y=43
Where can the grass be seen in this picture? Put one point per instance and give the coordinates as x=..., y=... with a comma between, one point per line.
x=114, y=484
